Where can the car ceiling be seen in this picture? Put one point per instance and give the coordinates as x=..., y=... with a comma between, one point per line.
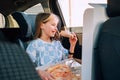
x=9, y=6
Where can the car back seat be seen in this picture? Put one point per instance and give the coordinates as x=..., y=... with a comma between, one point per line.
x=27, y=27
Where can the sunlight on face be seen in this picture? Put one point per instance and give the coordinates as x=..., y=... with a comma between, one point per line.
x=50, y=27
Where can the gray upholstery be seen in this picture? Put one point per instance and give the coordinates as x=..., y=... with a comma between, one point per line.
x=15, y=64
x=107, y=52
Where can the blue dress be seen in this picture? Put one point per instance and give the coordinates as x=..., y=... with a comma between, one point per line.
x=45, y=53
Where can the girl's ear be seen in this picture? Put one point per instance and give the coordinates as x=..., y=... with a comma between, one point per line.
x=42, y=25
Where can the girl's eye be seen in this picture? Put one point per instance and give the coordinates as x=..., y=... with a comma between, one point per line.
x=53, y=24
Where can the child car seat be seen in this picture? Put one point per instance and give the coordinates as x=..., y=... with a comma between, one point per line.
x=27, y=27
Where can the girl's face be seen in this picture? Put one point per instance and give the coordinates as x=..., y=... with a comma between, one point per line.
x=49, y=28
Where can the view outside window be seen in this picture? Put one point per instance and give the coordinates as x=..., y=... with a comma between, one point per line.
x=35, y=9
x=2, y=21
x=73, y=10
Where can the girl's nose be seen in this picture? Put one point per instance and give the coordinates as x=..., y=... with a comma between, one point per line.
x=56, y=28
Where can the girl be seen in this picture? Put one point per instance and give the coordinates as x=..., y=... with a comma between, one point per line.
x=46, y=48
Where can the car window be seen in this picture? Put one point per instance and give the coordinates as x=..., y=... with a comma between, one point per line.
x=12, y=23
x=35, y=9
x=73, y=11
x=2, y=21
x=72, y=15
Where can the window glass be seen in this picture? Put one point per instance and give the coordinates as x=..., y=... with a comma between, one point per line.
x=2, y=21
x=35, y=9
x=73, y=10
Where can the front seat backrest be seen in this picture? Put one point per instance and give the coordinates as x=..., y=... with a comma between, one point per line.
x=15, y=64
x=108, y=47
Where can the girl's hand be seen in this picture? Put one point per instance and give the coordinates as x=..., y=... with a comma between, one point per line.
x=71, y=35
x=45, y=76
x=73, y=39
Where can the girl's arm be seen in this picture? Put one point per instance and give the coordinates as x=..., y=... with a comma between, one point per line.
x=72, y=39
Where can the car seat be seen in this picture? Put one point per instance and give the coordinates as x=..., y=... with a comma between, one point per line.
x=108, y=45
x=93, y=18
x=27, y=27
x=15, y=64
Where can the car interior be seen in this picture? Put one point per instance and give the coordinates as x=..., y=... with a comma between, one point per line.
x=100, y=55
x=16, y=30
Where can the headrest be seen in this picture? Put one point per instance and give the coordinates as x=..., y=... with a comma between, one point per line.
x=112, y=26
x=26, y=24
x=113, y=8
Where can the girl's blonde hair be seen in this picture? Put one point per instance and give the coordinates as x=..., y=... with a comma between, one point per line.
x=44, y=18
